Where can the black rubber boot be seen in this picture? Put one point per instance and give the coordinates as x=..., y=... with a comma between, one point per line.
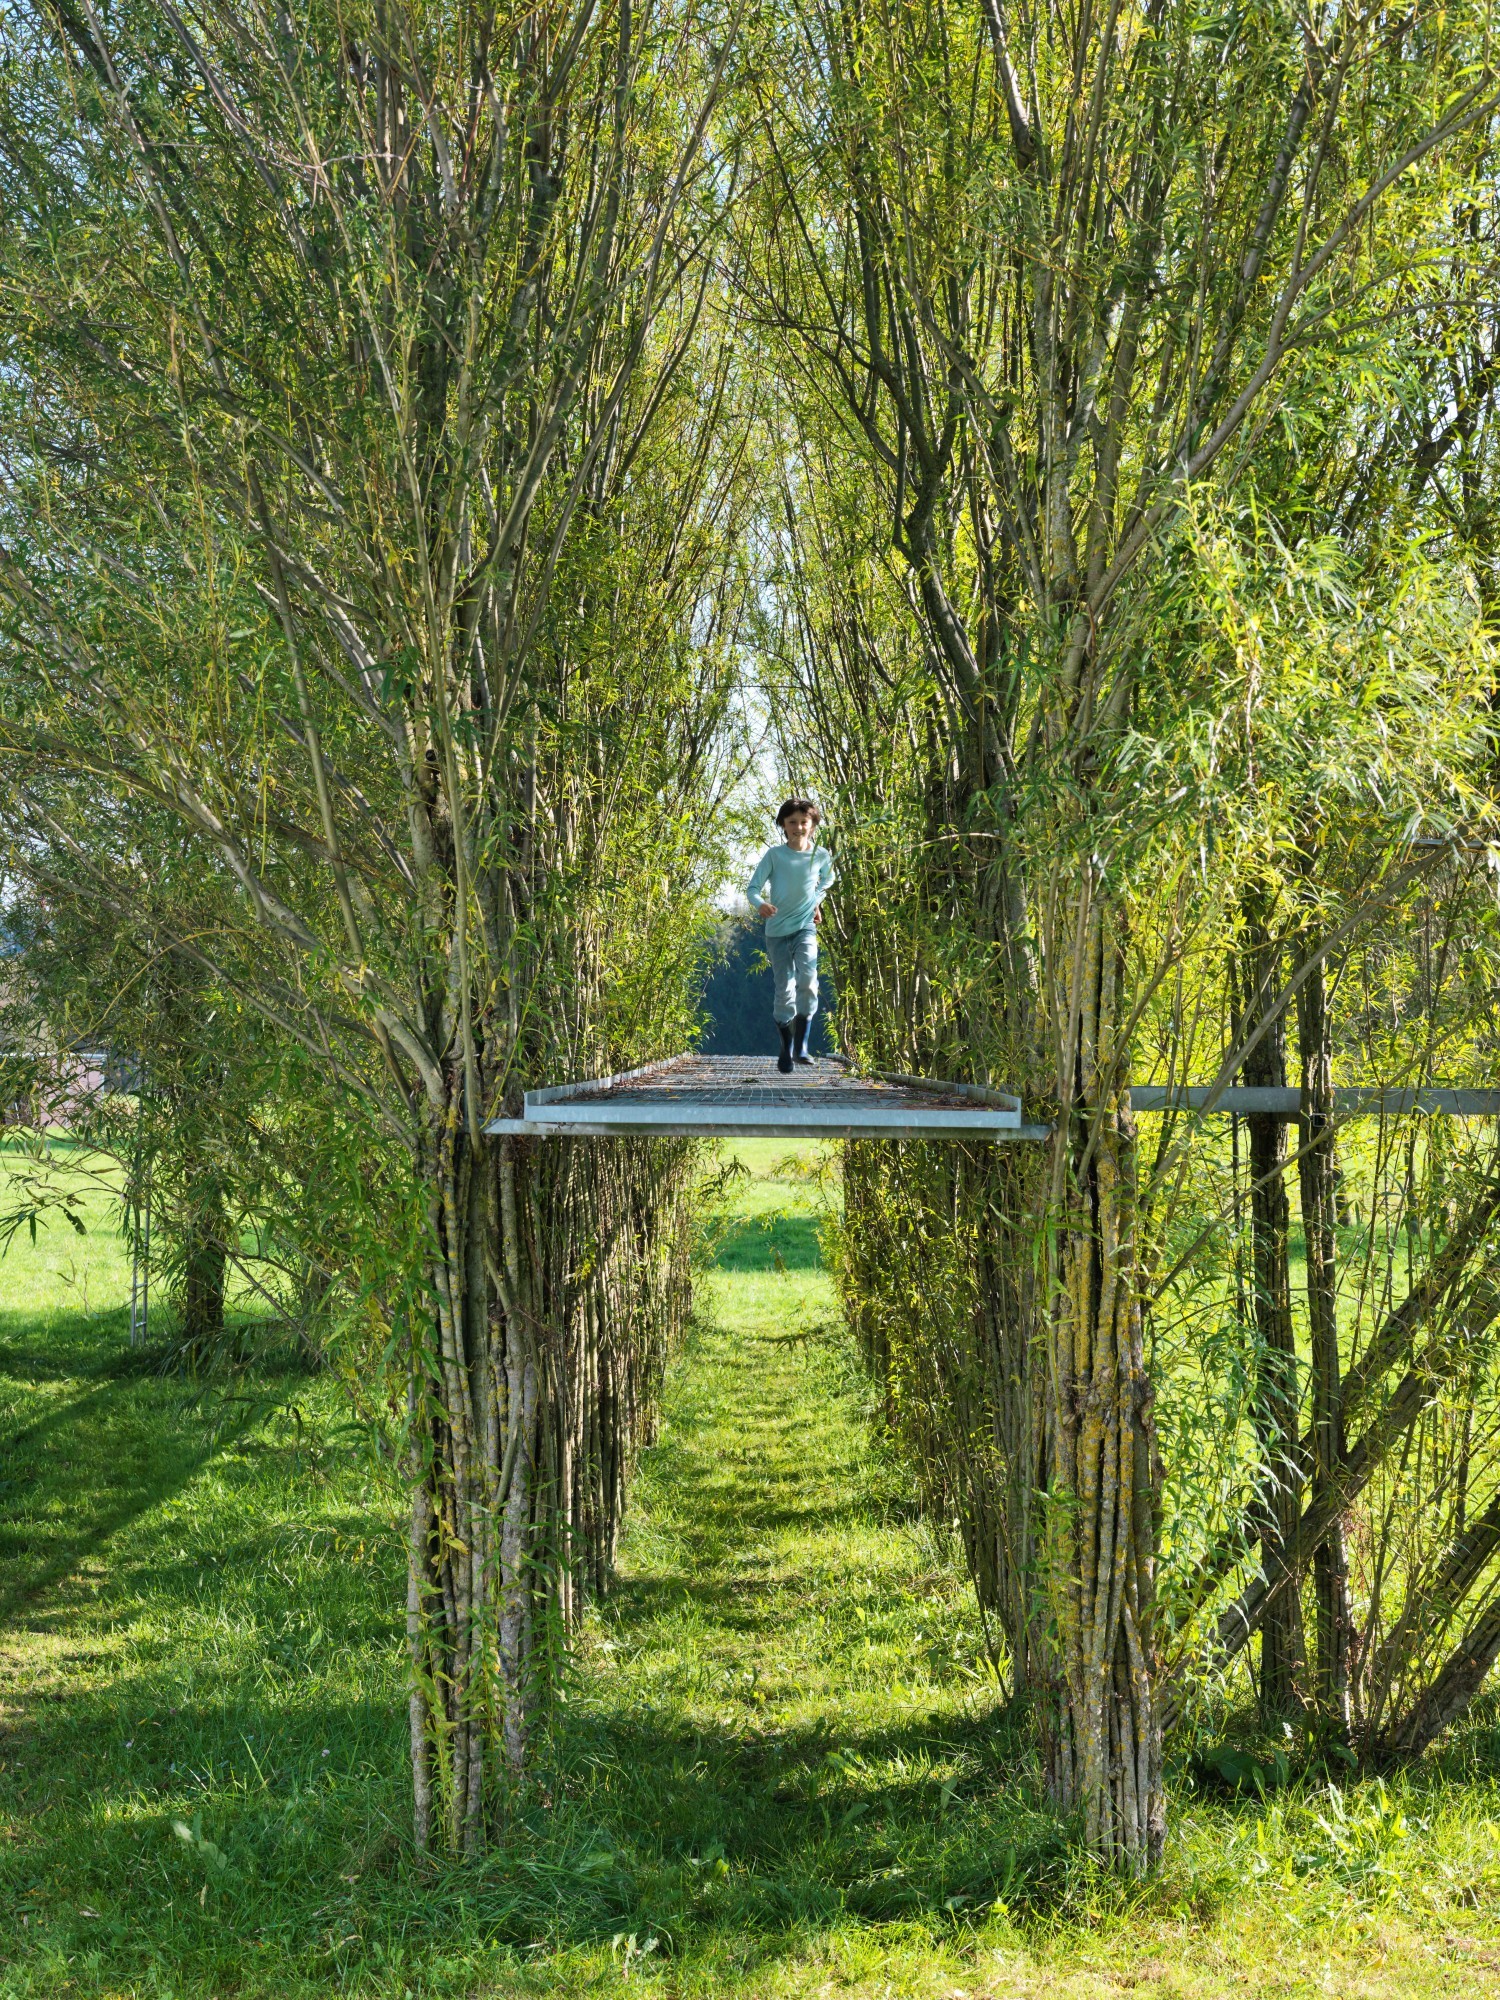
x=799, y=1039
x=784, y=1060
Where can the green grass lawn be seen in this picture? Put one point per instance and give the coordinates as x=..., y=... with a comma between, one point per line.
x=781, y=1769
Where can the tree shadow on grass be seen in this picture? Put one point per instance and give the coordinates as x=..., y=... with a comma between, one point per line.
x=705, y=1832
x=193, y=1832
x=91, y=1463
x=64, y=1345
x=915, y=1819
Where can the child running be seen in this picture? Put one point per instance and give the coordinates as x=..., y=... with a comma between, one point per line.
x=787, y=889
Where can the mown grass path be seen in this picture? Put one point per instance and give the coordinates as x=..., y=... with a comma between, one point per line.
x=789, y=1685
x=780, y=1770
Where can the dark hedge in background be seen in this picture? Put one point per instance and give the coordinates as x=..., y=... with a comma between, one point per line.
x=737, y=997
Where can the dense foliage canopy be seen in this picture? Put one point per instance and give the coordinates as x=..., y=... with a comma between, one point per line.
x=430, y=435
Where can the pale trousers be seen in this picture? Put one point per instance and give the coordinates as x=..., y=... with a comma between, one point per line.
x=794, y=968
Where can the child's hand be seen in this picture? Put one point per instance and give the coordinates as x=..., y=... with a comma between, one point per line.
x=818, y=914
x=768, y=909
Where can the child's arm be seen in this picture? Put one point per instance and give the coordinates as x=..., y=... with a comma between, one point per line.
x=757, y=883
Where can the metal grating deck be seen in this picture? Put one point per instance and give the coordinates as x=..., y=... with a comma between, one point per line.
x=741, y=1096
x=745, y=1096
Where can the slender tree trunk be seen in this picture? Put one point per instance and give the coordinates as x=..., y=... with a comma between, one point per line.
x=523, y=1380
x=1103, y=1735
x=1451, y=1690
x=204, y=1238
x=313, y=1290
x=1281, y=1648
x=1317, y=1168
x=205, y=1259
x=1014, y=1411
x=1016, y=1200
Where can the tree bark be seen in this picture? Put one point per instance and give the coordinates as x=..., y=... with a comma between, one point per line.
x=558, y=1280
x=1277, y=1397
x=1103, y=1735
x=1424, y=1613
x=1004, y=1512
x=1457, y=1682
x=1317, y=1170
x=203, y=1270
x=1405, y=1404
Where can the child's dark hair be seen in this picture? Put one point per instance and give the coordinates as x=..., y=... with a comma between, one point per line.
x=799, y=806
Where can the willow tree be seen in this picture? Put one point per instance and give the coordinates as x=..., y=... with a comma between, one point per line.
x=365, y=512
x=1050, y=272
x=182, y=1110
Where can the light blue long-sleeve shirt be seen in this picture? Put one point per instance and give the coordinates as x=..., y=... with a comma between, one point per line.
x=795, y=883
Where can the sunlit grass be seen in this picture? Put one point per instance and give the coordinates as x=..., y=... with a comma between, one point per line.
x=781, y=1769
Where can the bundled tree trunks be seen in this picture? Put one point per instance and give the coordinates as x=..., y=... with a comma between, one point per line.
x=552, y=1376
x=406, y=584
x=411, y=422
x=1103, y=1730
x=1022, y=434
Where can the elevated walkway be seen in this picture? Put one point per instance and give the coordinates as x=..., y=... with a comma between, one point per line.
x=747, y=1097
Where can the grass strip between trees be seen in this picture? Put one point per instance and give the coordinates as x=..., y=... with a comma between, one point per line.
x=782, y=1769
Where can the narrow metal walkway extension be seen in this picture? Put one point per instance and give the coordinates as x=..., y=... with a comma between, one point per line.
x=745, y=1096
x=1352, y=1100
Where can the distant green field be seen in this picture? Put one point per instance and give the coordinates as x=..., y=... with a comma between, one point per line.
x=781, y=1768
